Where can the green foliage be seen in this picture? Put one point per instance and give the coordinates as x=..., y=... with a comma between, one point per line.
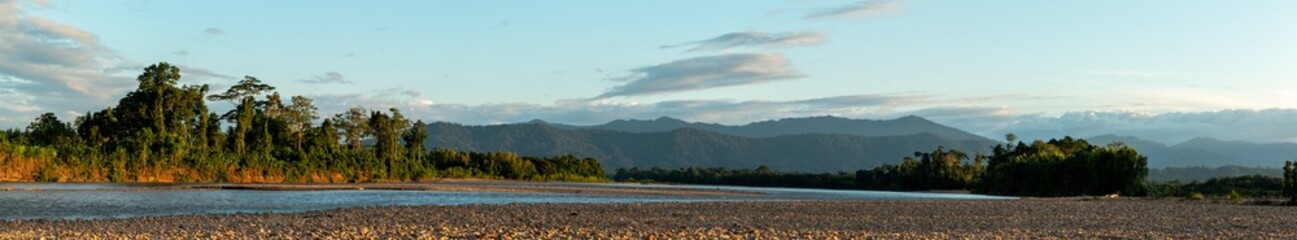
x=162, y=132
x=1196, y=196
x=1203, y=173
x=48, y=130
x=1289, y=184
x=1248, y=186
x=940, y=169
x=1064, y=167
x=1234, y=196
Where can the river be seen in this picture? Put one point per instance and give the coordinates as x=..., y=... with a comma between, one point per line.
x=109, y=200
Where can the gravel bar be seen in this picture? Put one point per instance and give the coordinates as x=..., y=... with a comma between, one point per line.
x=1027, y=218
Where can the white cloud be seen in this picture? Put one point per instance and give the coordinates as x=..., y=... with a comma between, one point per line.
x=753, y=39
x=703, y=73
x=50, y=66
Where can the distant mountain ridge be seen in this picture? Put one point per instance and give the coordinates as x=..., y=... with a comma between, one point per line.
x=908, y=125
x=1207, y=152
x=786, y=145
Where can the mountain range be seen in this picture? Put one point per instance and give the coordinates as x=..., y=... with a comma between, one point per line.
x=1207, y=152
x=908, y=125
x=813, y=144
x=817, y=144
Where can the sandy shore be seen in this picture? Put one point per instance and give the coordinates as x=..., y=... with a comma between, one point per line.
x=1034, y=218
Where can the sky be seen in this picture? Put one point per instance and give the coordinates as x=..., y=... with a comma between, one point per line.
x=1164, y=70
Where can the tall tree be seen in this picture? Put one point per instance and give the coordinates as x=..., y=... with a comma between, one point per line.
x=298, y=117
x=165, y=110
x=48, y=130
x=242, y=125
x=414, y=139
x=248, y=87
x=354, y=125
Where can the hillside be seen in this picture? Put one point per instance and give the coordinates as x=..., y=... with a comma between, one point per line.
x=689, y=147
x=1207, y=152
x=909, y=125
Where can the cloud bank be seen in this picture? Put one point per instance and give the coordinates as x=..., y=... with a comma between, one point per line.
x=753, y=39
x=704, y=73
x=1264, y=125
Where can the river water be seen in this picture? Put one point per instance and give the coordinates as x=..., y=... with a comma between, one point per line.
x=101, y=200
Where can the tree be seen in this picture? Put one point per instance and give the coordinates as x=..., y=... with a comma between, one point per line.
x=298, y=117
x=248, y=87
x=48, y=130
x=414, y=139
x=1290, y=181
x=354, y=125
x=244, y=114
x=168, y=112
x=387, y=131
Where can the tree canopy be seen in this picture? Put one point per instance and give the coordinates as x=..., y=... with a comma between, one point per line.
x=164, y=132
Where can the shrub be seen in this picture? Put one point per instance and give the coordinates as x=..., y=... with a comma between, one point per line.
x=1196, y=196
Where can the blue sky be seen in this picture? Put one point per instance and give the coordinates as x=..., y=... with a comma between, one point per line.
x=1162, y=70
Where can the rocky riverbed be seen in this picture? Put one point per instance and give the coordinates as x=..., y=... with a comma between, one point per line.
x=1027, y=218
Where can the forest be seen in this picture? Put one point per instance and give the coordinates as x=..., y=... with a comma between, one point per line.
x=1058, y=167
x=164, y=132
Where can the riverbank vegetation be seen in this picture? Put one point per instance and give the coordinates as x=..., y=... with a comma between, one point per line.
x=1058, y=167
x=164, y=132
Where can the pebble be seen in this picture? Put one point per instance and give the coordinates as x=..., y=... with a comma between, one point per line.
x=908, y=219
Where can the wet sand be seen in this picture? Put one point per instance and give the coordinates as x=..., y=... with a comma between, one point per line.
x=1027, y=218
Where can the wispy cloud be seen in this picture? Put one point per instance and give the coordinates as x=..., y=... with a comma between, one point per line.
x=1134, y=74
x=327, y=78
x=862, y=9
x=214, y=31
x=196, y=73
x=704, y=73
x=49, y=66
x=753, y=39
x=56, y=58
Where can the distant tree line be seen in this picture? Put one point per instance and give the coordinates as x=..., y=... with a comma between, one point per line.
x=1058, y=167
x=164, y=132
x=1202, y=173
x=759, y=177
x=1250, y=186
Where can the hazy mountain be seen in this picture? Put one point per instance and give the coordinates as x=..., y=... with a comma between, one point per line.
x=909, y=125
x=690, y=147
x=1207, y=152
x=1264, y=154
